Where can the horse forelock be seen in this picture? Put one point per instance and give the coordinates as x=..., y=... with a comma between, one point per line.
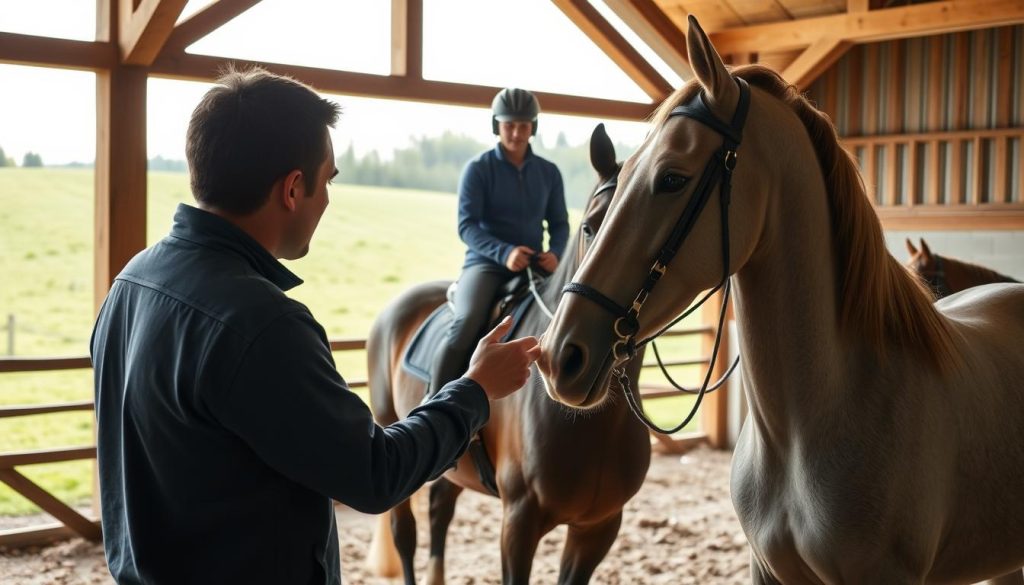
x=879, y=300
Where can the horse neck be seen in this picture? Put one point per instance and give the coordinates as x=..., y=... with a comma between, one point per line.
x=962, y=275
x=786, y=306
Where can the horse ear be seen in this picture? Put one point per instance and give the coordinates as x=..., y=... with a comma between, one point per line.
x=602, y=153
x=924, y=248
x=719, y=86
x=911, y=248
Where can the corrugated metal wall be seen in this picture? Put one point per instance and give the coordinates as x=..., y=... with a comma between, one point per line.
x=935, y=120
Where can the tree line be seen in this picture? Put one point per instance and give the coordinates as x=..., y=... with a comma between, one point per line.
x=428, y=163
x=436, y=163
x=31, y=159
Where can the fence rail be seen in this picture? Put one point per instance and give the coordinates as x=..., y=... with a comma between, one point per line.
x=74, y=523
x=944, y=180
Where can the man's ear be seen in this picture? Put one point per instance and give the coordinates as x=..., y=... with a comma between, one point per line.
x=293, y=186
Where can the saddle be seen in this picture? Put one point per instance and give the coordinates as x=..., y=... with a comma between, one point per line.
x=512, y=299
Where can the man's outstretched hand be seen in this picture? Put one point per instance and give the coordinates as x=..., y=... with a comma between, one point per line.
x=502, y=368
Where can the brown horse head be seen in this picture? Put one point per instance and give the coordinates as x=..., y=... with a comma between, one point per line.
x=946, y=275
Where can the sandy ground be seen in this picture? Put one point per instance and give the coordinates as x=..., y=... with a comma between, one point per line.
x=679, y=529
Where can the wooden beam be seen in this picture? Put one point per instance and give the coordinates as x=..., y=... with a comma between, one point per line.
x=942, y=217
x=120, y=209
x=203, y=68
x=654, y=27
x=875, y=25
x=604, y=35
x=44, y=364
x=56, y=508
x=146, y=27
x=858, y=5
x=12, y=459
x=814, y=61
x=407, y=38
x=13, y=411
x=36, y=535
x=16, y=49
x=215, y=15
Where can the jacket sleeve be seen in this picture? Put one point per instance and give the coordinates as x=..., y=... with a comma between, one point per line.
x=472, y=193
x=291, y=406
x=557, y=216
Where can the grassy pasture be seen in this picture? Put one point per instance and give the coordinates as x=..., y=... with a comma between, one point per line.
x=371, y=244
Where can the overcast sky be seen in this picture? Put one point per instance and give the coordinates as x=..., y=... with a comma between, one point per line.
x=524, y=43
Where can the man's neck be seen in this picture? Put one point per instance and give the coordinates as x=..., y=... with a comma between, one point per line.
x=254, y=224
x=516, y=158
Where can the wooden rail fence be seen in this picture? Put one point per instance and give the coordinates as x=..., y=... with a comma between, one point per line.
x=72, y=523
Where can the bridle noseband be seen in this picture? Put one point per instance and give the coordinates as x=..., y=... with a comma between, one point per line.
x=717, y=171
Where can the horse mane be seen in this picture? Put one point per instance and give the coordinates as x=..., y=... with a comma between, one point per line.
x=878, y=298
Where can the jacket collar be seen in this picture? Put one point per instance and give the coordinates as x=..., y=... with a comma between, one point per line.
x=212, y=231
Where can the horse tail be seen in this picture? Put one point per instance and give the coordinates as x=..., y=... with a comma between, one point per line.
x=382, y=559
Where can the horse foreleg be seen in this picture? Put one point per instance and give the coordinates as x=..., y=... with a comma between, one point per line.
x=520, y=533
x=585, y=547
x=382, y=558
x=1014, y=578
x=443, y=495
x=403, y=525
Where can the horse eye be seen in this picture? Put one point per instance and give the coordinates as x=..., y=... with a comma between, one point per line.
x=587, y=230
x=671, y=183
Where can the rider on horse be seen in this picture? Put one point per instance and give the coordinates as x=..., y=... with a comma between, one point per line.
x=505, y=196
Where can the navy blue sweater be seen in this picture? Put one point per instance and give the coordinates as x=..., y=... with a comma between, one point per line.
x=501, y=207
x=224, y=429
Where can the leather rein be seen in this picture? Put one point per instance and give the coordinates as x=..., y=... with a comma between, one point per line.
x=717, y=171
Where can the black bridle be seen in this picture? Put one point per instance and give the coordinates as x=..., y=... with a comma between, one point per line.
x=718, y=171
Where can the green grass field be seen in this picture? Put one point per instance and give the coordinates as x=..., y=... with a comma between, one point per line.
x=371, y=244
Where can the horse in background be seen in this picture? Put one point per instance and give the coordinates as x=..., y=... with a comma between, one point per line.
x=543, y=477
x=884, y=442
x=947, y=275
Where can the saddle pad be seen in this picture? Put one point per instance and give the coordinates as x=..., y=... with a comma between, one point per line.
x=433, y=335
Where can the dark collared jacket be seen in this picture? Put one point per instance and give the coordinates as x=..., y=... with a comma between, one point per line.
x=224, y=429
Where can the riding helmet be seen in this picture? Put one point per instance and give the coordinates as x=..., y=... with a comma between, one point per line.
x=514, y=104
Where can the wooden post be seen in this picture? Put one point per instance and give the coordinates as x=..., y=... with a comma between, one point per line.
x=715, y=408
x=120, y=175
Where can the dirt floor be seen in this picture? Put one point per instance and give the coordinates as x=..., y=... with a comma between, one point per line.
x=680, y=529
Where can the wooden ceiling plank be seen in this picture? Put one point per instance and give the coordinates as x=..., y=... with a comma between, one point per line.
x=655, y=28
x=146, y=28
x=858, y=5
x=204, y=68
x=875, y=25
x=713, y=14
x=815, y=60
x=18, y=49
x=604, y=35
x=757, y=11
x=207, y=20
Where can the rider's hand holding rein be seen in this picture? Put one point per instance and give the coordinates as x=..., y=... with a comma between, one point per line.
x=547, y=261
x=519, y=258
x=502, y=368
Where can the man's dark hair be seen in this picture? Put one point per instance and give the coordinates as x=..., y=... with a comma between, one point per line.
x=250, y=130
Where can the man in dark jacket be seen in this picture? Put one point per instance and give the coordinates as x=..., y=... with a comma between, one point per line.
x=223, y=428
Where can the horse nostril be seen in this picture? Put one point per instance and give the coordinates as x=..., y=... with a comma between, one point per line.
x=573, y=360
